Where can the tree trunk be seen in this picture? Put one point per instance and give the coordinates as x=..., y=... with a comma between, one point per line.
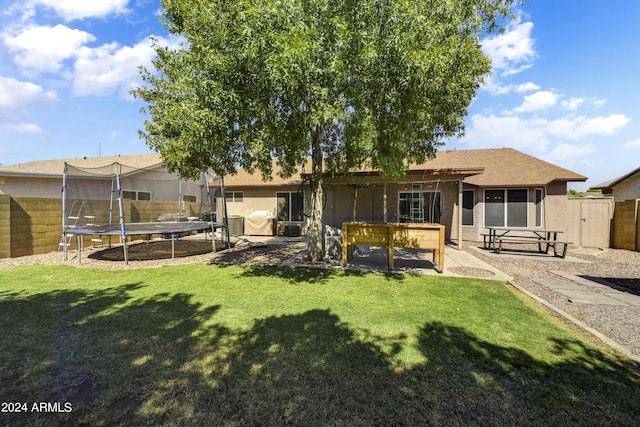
x=316, y=247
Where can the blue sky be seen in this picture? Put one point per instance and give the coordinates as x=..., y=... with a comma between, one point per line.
x=564, y=87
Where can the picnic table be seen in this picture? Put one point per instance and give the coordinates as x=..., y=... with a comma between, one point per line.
x=545, y=239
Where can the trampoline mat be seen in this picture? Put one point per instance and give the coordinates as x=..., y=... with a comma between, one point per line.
x=155, y=250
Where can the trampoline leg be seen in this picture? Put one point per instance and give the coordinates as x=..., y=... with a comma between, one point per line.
x=79, y=245
x=173, y=243
x=213, y=238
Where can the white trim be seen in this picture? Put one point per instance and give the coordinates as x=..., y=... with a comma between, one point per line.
x=290, y=213
x=542, y=207
x=137, y=192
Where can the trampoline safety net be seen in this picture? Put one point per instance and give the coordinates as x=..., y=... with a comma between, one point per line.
x=118, y=194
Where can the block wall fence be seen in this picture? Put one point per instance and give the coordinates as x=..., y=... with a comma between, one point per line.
x=31, y=225
x=626, y=225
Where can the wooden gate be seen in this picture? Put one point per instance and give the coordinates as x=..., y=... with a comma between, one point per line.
x=589, y=222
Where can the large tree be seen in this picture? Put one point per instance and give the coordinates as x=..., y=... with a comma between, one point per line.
x=346, y=83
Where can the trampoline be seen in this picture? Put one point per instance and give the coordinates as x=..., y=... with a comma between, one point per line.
x=114, y=199
x=173, y=228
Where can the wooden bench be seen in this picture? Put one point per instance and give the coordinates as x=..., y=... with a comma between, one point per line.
x=487, y=241
x=529, y=240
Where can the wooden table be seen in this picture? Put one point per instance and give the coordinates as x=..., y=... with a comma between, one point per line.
x=391, y=235
x=543, y=237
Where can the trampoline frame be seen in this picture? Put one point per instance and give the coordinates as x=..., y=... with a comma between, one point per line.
x=174, y=228
x=124, y=229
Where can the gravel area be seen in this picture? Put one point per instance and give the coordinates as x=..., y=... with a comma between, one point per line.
x=621, y=268
x=620, y=323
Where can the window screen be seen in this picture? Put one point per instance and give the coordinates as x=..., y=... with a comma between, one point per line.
x=516, y=208
x=538, y=207
x=467, y=207
x=494, y=208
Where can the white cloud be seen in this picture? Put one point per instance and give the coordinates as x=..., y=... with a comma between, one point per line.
x=81, y=9
x=527, y=87
x=573, y=103
x=112, y=68
x=26, y=128
x=493, y=86
x=17, y=97
x=579, y=127
x=539, y=136
x=632, y=144
x=507, y=131
x=44, y=48
x=512, y=51
x=567, y=152
x=540, y=100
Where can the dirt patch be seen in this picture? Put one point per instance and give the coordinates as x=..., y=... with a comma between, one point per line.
x=157, y=250
x=257, y=255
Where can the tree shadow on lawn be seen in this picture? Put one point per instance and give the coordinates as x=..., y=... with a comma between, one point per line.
x=303, y=275
x=165, y=359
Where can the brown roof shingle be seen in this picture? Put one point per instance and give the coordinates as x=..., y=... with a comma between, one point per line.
x=503, y=167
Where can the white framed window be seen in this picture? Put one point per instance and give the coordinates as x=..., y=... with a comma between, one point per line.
x=506, y=208
x=234, y=196
x=289, y=206
x=136, y=195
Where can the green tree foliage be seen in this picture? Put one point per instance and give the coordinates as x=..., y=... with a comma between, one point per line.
x=376, y=83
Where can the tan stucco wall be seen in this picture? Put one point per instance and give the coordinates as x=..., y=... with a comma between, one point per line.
x=340, y=199
x=556, y=203
x=31, y=187
x=166, y=190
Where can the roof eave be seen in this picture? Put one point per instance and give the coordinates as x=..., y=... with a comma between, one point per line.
x=30, y=175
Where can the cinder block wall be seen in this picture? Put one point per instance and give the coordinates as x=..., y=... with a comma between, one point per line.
x=30, y=225
x=626, y=225
x=34, y=225
x=5, y=226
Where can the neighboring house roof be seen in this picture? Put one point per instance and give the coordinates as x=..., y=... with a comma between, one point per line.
x=613, y=182
x=55, y=168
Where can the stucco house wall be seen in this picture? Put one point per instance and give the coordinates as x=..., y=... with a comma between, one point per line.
x=626, y=187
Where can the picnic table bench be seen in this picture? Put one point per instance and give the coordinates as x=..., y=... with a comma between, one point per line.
x=545, y=239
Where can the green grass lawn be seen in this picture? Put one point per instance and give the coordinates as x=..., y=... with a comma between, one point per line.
x=210, y=345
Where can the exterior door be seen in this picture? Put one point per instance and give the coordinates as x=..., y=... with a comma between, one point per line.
x=595, y=224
